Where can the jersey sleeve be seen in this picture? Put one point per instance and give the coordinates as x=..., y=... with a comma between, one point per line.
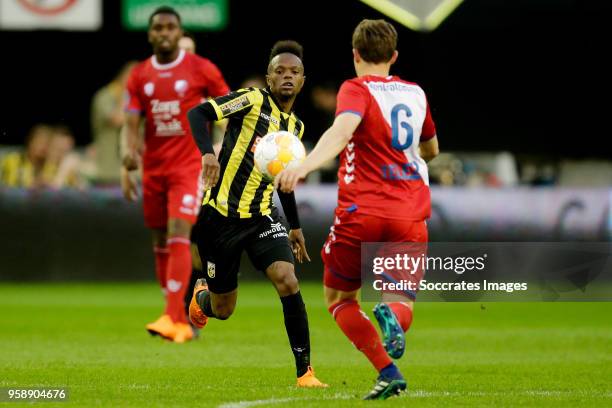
x=133, y=103
x=234, y=104
x=215, y=83
x=352, y=98
x=429, y=127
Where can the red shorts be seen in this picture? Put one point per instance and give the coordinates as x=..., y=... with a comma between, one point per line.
x=171, y=195
x=341, y=252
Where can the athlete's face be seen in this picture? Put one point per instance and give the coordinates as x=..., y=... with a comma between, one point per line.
x=285, y=76
x=164, y=33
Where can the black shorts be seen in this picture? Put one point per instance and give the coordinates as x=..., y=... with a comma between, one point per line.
x=221, y=241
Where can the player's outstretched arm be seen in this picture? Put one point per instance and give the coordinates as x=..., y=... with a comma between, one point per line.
x=199, y=119
x=133, y=139
x=296, y=237
x=329, y=146
x=130, y=139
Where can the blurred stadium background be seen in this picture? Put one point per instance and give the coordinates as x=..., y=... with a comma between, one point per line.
x=517, y=90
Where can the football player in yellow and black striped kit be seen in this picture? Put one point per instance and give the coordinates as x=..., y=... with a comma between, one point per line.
x=237, y=213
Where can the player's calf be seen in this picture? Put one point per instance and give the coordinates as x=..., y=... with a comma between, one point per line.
x=282, y=276
x=403, y=312
x=205, y=304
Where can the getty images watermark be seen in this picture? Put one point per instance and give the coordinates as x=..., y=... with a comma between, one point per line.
x=399, y=265
x=500, y=271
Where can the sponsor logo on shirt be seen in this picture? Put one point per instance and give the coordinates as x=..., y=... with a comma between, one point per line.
x=164, y=116
x=389, y=87
x=269, y=118
x=404, y=171
x=172, y=128
x=171, y=107
x=235, y=105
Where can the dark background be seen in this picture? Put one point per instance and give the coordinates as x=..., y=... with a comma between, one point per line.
x=528, y=76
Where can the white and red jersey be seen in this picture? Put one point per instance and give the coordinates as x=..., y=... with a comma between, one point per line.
x=381, y=172
x=164, y=93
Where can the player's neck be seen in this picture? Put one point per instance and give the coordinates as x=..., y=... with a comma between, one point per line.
x=166, y=58
x=285, y=104
x=381, y=70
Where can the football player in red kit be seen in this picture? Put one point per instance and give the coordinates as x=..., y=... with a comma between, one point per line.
x=385, y=135
x=161, y=90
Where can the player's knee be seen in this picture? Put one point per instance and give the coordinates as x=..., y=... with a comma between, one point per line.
x=284, y=280
x=179, y=228
x=159, y=238
x=333, y=296
x=223, y=315
x=332, y=299
x=329, y=300
x=223, y=305
x=223, y=312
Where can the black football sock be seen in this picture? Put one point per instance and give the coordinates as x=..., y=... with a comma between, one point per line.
x=296, y=323
x=203, y=299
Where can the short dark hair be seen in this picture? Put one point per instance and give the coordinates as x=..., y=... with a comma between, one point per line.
x=289, y=46
x=375, y=40
x=164, y=10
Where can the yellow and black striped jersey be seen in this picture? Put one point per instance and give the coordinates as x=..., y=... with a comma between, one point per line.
x=242, y=190
x=16, y=170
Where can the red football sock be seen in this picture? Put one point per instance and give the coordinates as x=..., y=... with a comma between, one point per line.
x=360, y=331
x=161, y=265
x=403, y=314
x=179, y=273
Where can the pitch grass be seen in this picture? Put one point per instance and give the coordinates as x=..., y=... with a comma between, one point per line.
x=91, y=339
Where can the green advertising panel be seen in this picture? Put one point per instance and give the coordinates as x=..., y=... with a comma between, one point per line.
x=197, y=15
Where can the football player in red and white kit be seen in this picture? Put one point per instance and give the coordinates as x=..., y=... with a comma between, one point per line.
x=161, y=90
x=385, y=134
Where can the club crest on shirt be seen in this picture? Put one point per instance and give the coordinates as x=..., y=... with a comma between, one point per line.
x=211, y=270
x=181, y=86
x=149, y=88
x=235, y=105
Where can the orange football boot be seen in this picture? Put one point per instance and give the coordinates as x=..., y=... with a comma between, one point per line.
x=164, y=327
x=183, y=333
x=308, y=380
x=196, y=315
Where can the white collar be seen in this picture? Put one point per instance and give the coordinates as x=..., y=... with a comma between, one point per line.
x=169, y=65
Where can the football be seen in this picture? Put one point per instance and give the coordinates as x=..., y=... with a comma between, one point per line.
x=277, y=151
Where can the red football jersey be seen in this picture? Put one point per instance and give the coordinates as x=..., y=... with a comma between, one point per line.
x=164, y=93
x=381, y=172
